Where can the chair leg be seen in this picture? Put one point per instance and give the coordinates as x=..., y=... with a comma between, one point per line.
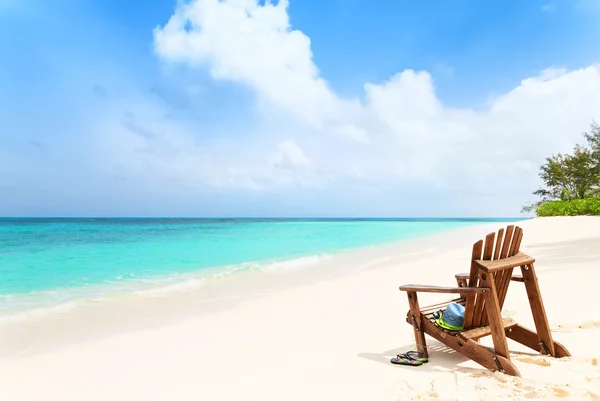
x=415, y=320
x=494, y=318
x=537, y=309
x=495, y=323
x=530, y=339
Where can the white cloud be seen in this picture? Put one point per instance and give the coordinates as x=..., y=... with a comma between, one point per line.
x=253, y=45
x=350, y=131
x=289, y=156
x=399, y=132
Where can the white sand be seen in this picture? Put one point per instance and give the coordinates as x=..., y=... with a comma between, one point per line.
x=332, y=339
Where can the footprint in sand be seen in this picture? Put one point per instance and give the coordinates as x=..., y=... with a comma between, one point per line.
x=583, y=326
x=593, y=396
x=561, y=393
x=540, y=361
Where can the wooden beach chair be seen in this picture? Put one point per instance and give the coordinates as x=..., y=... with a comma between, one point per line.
x=482, y=292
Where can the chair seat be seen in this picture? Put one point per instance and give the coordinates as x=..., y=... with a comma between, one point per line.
x=472, y=333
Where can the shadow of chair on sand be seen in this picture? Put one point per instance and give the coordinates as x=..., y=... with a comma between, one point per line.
x=441, y=358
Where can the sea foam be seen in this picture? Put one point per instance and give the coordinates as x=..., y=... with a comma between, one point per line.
x=44, y=304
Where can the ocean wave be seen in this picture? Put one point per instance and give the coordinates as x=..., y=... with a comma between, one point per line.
x=15, y=307
x=272, y=266
x=189, y=284
x=39, y=312
x=297, y=263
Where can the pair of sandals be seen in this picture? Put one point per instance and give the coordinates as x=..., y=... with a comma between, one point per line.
x=410, y=358
x=413, y=358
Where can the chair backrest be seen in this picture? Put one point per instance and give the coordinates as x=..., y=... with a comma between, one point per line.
x=504, y=244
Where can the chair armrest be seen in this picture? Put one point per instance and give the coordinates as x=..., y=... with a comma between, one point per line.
x=492, y=266
x=444, y=290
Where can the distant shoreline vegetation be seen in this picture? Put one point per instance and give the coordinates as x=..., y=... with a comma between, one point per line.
x=572, y=181
x=575, y=207
x=196, y=220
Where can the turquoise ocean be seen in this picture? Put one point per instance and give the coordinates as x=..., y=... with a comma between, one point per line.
x=45, y=262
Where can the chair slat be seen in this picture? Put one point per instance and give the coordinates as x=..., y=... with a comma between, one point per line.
x=488, y=250
x=502, y=287
x=501, y=280
x=432, y=308
x=504, y=282
x=499, y=239
x=473, y=282
x=516, y=242
x=506, y=244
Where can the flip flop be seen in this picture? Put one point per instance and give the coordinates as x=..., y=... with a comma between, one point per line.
x=410, y=358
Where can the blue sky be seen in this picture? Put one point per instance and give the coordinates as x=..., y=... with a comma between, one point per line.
x=312, y=108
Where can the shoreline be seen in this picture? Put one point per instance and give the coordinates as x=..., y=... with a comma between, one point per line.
x=58, y=297
x=326, y=336
x=197, y=294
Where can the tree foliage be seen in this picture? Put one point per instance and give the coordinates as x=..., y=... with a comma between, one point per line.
x=593, y=138
x=571, y=176
x=574, y=176
x=576, y=207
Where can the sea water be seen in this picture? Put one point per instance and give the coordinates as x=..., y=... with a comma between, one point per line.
x=46, y=262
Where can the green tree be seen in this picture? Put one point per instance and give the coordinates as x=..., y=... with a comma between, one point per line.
x=593, y=138
x=571, y=176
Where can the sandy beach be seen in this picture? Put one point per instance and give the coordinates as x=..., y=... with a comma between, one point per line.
x=322, y=337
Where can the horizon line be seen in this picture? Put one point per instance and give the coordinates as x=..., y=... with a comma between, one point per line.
x=250, y=218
